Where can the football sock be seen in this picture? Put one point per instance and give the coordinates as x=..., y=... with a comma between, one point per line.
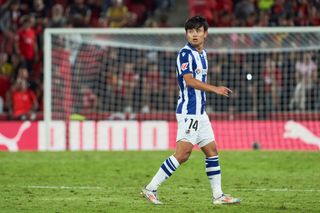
x=214, y=175
x=168, y=167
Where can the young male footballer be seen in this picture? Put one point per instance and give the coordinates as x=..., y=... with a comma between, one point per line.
x=194, y=126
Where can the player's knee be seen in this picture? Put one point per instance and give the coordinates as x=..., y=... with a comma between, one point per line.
x=182, y=157
x=213, y=152
x=210, y=150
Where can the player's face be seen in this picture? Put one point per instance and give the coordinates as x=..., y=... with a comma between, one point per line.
x=196, y=37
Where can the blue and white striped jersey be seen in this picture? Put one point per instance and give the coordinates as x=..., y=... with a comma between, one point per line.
x=191, y=101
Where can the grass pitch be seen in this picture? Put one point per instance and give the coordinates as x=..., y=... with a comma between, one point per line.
x=111, y=182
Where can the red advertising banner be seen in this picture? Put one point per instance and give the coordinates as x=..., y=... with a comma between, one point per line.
x=156, y=135
x=268, y=135
x=15, y=136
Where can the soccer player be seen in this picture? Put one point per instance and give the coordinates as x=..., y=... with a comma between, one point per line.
x=193, y=123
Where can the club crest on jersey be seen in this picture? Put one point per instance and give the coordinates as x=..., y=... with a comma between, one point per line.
x=188, y=131
x=198, y=71
x=184, y=66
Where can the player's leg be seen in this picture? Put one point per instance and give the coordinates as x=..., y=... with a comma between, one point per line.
x=213, y=168
x=170, y=165
x=183, y=151
x=214, y=175
x=167, y=168
x=206, y=142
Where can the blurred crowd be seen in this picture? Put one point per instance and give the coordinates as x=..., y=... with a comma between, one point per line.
x=143, y=81
x=22, y=24
x=230, y=13
x=267, y=82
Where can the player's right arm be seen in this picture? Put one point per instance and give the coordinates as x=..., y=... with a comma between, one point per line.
x=185, y=69
x=196, y=84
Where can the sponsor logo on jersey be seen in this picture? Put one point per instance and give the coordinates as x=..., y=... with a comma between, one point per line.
x=184, y=66
x=204, y=71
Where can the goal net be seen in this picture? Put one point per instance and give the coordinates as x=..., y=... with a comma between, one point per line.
x=129, y=74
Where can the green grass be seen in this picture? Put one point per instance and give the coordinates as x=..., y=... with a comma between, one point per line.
x=111, y=182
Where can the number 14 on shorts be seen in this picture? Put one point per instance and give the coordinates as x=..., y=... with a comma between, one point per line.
x=192, y=124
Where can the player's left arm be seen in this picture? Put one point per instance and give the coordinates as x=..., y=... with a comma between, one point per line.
x=196, y=84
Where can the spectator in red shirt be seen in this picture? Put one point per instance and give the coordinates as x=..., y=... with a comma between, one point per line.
x=4, y=88
x=27, y=42
x=203, y=7
x=23, y=101
x=314, y=16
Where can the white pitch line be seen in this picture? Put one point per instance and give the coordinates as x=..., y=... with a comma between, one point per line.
x=64, y=187
x=104, y=199
x=56, y=187
x=261, y=189
x=278, y=190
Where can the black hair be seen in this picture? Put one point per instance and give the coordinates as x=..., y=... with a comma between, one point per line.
x=196, y=22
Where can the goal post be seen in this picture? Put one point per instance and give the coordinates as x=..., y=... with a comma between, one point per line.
x=129, y=74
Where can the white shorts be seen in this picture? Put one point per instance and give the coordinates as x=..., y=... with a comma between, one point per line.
x=195, y=129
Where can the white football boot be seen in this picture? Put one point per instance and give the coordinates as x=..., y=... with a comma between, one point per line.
x=225, y=199
x=151, y=196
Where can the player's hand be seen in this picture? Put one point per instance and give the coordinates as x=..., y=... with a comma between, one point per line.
x=223, y=91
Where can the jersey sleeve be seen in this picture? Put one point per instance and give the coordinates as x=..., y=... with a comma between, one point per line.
x=184, y=62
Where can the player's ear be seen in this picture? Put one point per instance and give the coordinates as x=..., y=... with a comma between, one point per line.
x=186, y=34
x=205, y=34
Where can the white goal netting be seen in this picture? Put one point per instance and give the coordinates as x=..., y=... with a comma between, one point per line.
x=130, y=73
